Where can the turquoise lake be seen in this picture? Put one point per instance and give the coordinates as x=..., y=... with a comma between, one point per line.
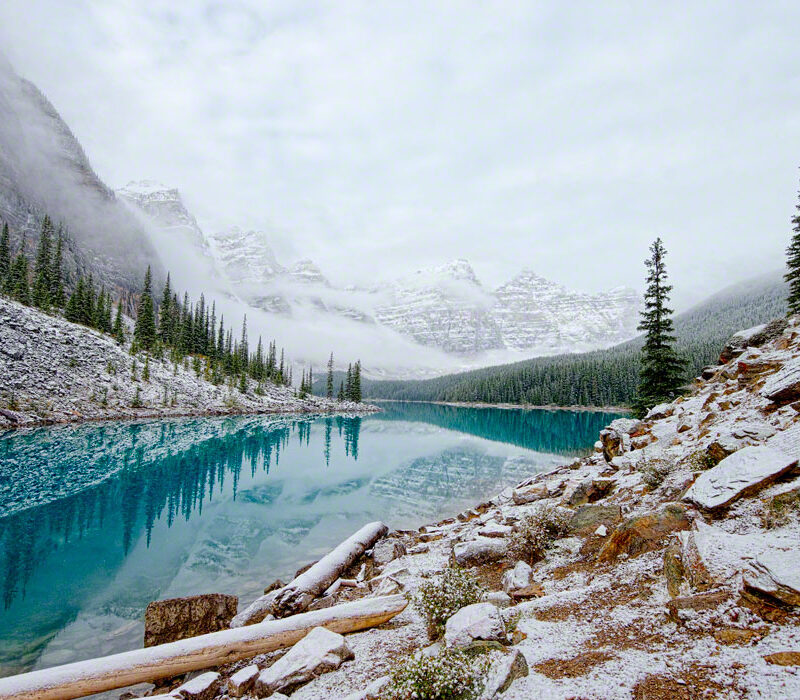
x=98, y=520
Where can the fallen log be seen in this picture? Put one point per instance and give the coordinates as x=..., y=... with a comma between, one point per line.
x=196, y=653
x=299, y=593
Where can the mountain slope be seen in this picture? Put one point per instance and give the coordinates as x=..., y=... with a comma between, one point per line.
x=605, y=377
x=43, y=170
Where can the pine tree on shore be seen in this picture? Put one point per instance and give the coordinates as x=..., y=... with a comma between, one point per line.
x=662, y=370
x=145, y=330
x=329, y=379
x=340, y=395
x=118, y=331
x=5, y=257
x=348, y=383
x=792, y=275
x=57, y=274
x=356, y=388
x=42, y=269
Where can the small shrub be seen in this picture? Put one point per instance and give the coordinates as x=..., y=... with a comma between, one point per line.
x=73, y=362
x=104, y=399
x=437, y=600
x=779, y=509
x=537, y=531
x=137, y=399
x=654, y=470
x=701, y=460
x=13, y=404
x=450, y=675
x=146, y=370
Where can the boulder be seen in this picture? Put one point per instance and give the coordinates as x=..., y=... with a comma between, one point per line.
x=518, y=582
x=202, y=687
x=180, y=618
x=662, y=410
x=590, y=491
x=696, y=603
x=320, y=651
x=240, y=682
x=784, y=658
x=371, y=692
x=587, y=518
x=644, y=533
x=740, y=474
x=498, y=598
x=529, y=494
x=480, y=550
x=783, y=387
x=386, y=550
x=751, y=337
x=476, y=622
x=274, y=586
x=503, y=672
x=494, y=529
x=776, y=573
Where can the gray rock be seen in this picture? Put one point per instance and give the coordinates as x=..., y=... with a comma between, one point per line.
x=386, y=550
x=503, y=672
x=180, y=618
x=476, y=622
x=480, y=550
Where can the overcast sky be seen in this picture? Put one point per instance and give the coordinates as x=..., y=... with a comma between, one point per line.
x=379, y=137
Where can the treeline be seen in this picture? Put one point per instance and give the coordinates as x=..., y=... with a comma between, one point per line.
x=604, y=377
x=176, y=327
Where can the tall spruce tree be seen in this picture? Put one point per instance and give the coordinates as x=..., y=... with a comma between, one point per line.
x=144, y=332
x=57, y=273
x=118, y=330
x=18, y=284
x=661, y=375
x=165, y=314
x=792, y=275
x=329, y=379
x=356, y=382
x=5, y=257
x=42, y=269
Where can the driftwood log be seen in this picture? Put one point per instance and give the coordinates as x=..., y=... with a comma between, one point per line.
x=205, y=651
x=297, y=595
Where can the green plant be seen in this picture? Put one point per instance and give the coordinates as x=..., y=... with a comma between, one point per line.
x=13, y=404
x=437, y=600
x=653, y=470
x=537, y=531
x=779, y=509
x=104, y=400
x=450, y=675
x=146, y=370
x=137, y=399
x=701, y=460
x=73, y=362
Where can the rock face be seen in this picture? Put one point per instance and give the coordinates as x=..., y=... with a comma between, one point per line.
x=503, y=673
x=644, y=533
x=320, y=651
x=477, y=622
x=588, y=517
x=739, y=474
x=387, y=550
x=179, y=618
x=480, y=550
x=784, y=386
x=776, y=573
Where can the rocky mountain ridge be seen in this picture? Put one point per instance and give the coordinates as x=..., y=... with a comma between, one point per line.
x=444, y=307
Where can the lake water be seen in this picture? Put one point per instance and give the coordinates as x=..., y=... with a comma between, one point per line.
x=98, y=520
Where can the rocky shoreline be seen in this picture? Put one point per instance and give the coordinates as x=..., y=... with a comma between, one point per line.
x=665, y=565
x=54, y=371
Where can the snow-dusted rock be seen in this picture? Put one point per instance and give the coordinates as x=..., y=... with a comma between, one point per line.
x=241, y=681
x=318, y=652
x=476, y=622
x=386, y=550
x=498, y=598
x=529, y=494
x=662, y=410
x=202, y=687
x=495, y=529
x=784, y=386
x=480, y=550
x=776, y=572
x=518, y=582
x=503, y=672
x=739, y=474
x=371, y=692
x=601, y=531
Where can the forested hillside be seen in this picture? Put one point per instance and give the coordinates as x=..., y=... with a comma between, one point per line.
x=604, y=377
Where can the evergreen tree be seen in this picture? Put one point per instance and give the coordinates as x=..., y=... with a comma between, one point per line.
x=5, y=257
x=43, y=267
x=118, y=330
x=340, y=395
x=662, y=370
x=165, y=315
x=356, y=382
x=88, y=302
x=145, y=330
x=18, y=277
x=57, y=274
x=792, y=275
x=72, y=311
x=329, y=379
x=348, y=385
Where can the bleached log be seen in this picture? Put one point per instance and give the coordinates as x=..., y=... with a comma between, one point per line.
x=205, y=651
x=299, y=594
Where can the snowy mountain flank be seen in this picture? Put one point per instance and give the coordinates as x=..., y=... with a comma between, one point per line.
x=444, y=307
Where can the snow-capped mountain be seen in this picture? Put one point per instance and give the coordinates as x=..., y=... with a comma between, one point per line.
x=444, y=307
x=165, y=208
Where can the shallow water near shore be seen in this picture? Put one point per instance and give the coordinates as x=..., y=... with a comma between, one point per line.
x=98, y=520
